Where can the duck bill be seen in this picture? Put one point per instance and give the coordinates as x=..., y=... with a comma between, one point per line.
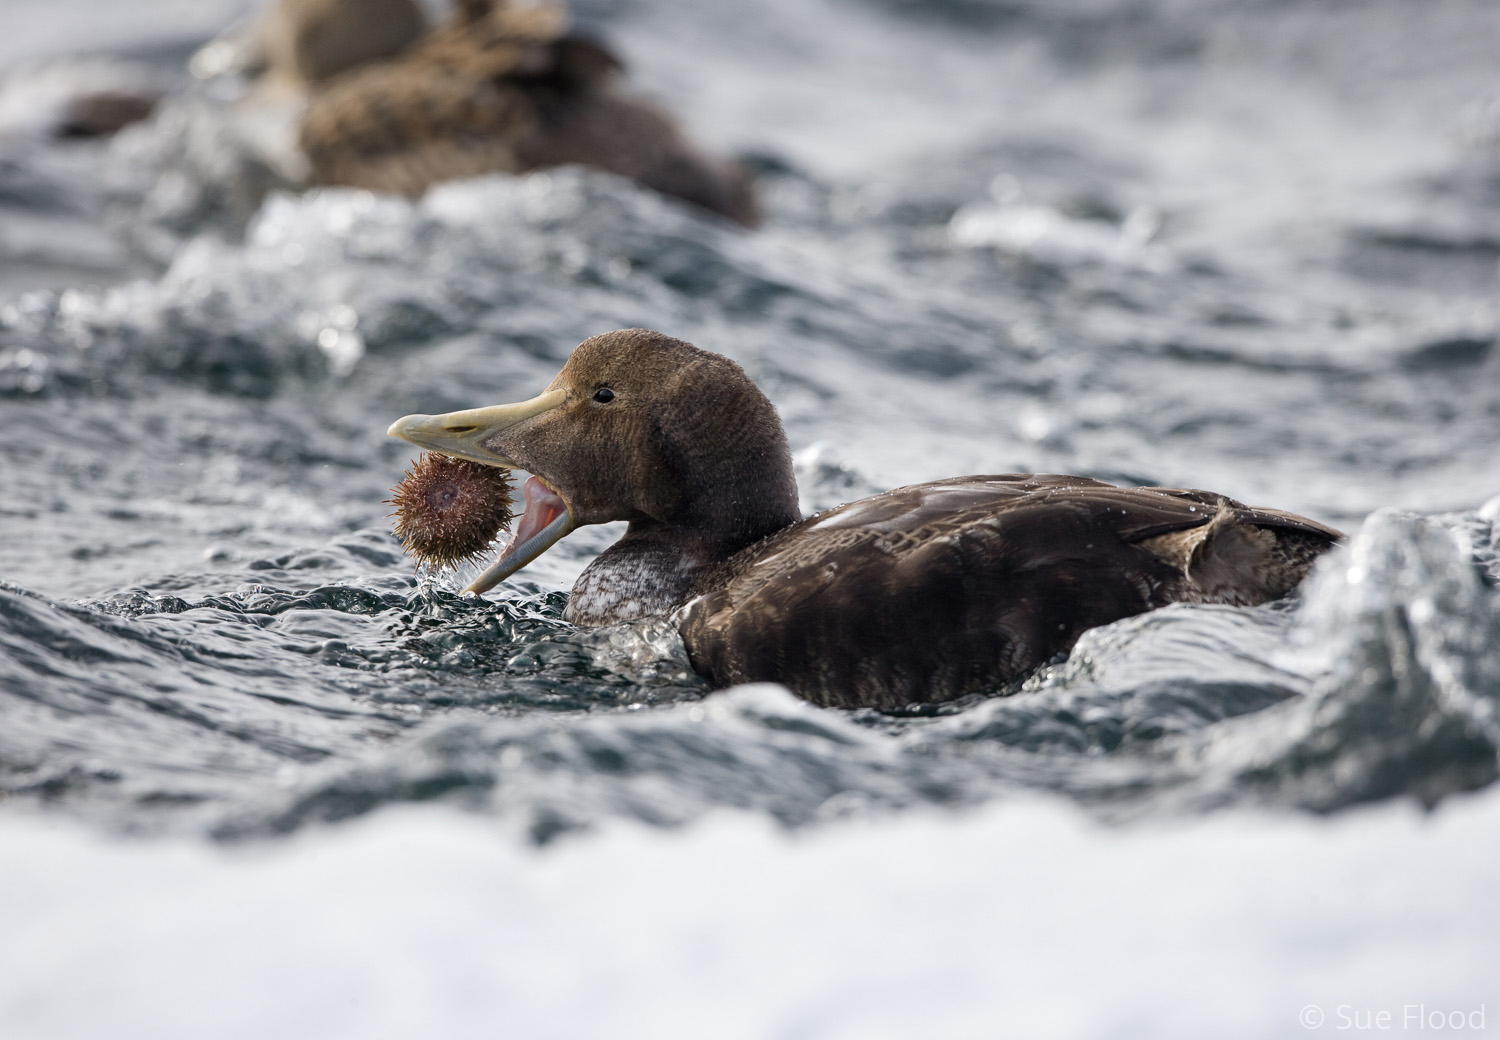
x=464, y=434
x=546, y=520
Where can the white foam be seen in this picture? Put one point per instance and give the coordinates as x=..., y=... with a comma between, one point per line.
x=1023, y=919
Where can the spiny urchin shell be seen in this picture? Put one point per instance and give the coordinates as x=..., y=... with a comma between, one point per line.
x=449, y=510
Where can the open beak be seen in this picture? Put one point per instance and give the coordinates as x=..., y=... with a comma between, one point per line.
x=546, y=520
x=464, y=435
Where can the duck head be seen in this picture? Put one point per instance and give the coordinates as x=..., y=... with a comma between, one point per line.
x=637, y=427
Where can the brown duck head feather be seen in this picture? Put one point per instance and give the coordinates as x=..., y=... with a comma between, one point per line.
x=637, y=427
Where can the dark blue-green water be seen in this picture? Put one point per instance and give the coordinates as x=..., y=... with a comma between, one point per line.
x=1244, y=246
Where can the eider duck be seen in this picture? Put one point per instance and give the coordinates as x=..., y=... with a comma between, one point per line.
x=498, y=89
x=75, y=98
x=920, y=594
x=289, y=54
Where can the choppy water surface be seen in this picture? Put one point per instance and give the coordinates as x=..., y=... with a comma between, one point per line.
x=1179, y=243
x=1242, y=245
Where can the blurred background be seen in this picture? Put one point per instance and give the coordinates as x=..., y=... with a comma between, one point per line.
x=257, y=776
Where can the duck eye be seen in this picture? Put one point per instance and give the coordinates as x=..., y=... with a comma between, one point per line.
x=604, y=395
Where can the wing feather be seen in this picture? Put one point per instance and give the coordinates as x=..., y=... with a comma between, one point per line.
x=931, y=591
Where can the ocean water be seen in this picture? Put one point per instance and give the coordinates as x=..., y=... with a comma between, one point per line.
x=258, y=777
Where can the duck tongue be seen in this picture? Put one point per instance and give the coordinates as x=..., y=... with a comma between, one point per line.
x=545, y=521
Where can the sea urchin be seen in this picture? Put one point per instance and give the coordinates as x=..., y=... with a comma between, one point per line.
x=449, y=510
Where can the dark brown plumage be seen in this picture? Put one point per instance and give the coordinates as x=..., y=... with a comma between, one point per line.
x=952, y=586
x=449, y=510
x=103, y=112
x=924, y=593
x=503, y=89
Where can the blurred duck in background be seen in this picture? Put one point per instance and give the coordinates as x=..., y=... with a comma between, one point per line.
x=381, y=102
x=76, y=98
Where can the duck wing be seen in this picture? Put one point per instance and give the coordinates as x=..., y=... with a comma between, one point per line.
x=929, y=592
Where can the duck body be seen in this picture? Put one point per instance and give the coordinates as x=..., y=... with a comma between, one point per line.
x=924, y=593
x=936, y=590
x=502, y=89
